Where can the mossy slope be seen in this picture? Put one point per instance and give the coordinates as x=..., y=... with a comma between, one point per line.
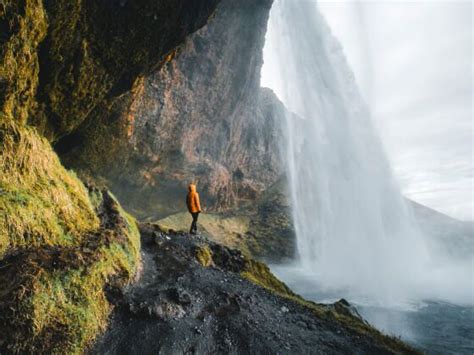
x=59, y=247
x=41, y=203
x=54, y=298
x=227, y=230
x=23, y=26
x=214, y=255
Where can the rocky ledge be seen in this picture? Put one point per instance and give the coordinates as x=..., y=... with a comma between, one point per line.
x=195, y=296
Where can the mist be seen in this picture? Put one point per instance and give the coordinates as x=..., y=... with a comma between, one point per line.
x=412, y=61
x=356, y=236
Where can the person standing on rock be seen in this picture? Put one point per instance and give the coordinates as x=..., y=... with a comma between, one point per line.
x=194, y=206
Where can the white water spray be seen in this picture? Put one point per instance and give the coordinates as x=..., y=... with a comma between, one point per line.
x=354, y=231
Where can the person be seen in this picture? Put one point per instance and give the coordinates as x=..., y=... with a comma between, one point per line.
x=194, y=206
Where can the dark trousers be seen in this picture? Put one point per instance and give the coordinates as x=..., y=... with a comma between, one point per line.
x=193, y=229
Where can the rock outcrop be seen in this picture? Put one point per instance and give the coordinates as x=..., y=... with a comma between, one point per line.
x=63, y=63
x=94, y=51
x=203, y=116
x=237, y=307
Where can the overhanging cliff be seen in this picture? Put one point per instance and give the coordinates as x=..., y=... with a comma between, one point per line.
x=62, y=244
x=202, y=116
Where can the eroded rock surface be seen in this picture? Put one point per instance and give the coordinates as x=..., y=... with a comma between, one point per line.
x=95, y=50
x=62, y=64
x=52, y=296
x=202, y=117
x=199, y=297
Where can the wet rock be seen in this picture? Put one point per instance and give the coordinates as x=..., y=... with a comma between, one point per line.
x=345, y=308
x=179, y=295
x=191, y=307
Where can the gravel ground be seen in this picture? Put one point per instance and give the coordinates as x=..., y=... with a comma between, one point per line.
x=179, y=306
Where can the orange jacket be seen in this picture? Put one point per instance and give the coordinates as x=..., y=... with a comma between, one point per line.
x=192, y=200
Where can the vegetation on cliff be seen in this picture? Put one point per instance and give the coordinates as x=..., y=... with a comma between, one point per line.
x=62, y=245
x=214, y=255
x=41, y=203
x=53, y=296
x=23, y=26
x=59, y=249
x=263, y=231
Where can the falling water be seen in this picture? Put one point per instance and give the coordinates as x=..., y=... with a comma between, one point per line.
x=354, y=231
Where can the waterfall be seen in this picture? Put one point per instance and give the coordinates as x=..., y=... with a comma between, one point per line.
x=354, y=230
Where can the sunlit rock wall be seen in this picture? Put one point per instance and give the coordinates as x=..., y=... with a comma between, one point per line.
x=203, y=116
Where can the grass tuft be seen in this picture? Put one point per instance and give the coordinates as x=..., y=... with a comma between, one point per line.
x=60, y=249
x=260, y=274
x=41, y=203
x=204, y=256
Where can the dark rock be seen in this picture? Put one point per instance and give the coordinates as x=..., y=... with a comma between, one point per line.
x=187, y=308
x=95, y=50
x=345, y=308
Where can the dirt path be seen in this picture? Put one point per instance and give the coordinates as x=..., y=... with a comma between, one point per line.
x=181, y=307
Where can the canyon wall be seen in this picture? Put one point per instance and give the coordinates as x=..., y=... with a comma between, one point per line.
x=63, y=244
x=202, y=117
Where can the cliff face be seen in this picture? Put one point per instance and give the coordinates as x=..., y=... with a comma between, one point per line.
x=61, y=244
x=203, y=116
x=95, y=50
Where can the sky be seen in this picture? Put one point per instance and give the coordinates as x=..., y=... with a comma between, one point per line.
x=413, y=64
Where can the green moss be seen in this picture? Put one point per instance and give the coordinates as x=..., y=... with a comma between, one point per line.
x=73, y=303
x=204, y=256
x=56, y=302
x=41, y=203
x=229, y=231
x=24, y=28
x=260, y=274
x=95, y=198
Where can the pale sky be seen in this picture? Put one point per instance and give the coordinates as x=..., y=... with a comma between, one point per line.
x=413, y=63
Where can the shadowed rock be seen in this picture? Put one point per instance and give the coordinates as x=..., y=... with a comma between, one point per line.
x=224, y=302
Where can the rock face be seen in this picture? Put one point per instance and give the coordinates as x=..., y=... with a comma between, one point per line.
x=52, y=298
x=264, y=232
x=65, y=61
x=237, y=307
x=62, y=64
x=95, y=50
x=202, y=117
